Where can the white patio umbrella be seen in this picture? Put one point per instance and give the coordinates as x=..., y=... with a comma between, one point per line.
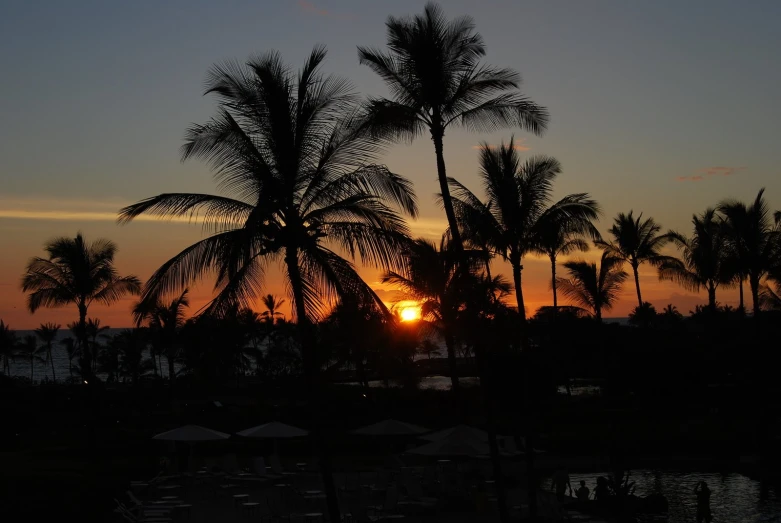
x=191, y=433
x=273, y=430
x=391, y=427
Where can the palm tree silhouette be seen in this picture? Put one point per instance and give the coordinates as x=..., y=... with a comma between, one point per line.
x=519, y=213
x=92, y=331
x=643, y=315
x=564, y=235
x=165, y=321
x=129, y=345
x=291, y=152
x=635, y=241
x=7, y=346
x=704, y=260
x=594, y=288
x=770, y=298
x=28, y=349
x=754, y=237
x=671, y=312
x=432, y=68
x=272, y=304
x=47, y=333
x=71, y=347
x=434, y=278
x=79, y=273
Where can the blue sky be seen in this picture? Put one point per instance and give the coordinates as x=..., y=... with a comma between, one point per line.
x=662, y=107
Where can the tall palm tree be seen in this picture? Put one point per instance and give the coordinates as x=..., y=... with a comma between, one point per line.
x=519, y=212
x=28, y=349
x=754, y=238
x=71, y=350
x=594, y=288
x=433, y=277
x=563, y=236
x=635, y=241
x=7, y=346
x=432, y=68
x=79, y=273
x=272, y=304
x=165, y=320
x=297, y=163
x=47, y=333
x=704, y=261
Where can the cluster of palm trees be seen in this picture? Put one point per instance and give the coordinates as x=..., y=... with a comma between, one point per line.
x=295, y=157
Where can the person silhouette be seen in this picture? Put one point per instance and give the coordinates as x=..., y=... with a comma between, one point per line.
x=703, y=502
x=560, y=483
x=583, y=492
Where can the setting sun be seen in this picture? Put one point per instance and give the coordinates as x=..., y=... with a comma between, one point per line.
x=410, y=313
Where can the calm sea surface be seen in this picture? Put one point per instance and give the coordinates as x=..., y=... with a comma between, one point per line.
x=21, y=367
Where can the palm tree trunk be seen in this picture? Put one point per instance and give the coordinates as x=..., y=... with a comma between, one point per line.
x=517, y=268
x=712, y=297
x=455, y=385
x=741, y=306
x=528, y=407
x=485, y=385
x=598, y=314
x=85, y=361
x=553, y=285
x=171, y=373
x=311, y=371
x=51, y=360
x=637, y=283
x=753, y=281
x=447, y=202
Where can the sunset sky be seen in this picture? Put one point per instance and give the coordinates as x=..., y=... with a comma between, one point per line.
x=663, y=107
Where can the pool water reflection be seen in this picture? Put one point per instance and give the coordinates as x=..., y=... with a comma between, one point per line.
x=735, y=498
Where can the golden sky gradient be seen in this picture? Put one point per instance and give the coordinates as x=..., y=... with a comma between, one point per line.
x=661, y=107
x=146, y=244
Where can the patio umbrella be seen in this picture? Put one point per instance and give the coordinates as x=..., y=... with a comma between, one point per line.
x=273, y=430
x=391, y=427
x=459, y=432
x=191, y=433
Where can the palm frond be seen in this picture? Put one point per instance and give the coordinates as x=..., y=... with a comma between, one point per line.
x=218, y=212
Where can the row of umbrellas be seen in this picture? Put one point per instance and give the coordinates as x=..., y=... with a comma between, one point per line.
x=460, y=440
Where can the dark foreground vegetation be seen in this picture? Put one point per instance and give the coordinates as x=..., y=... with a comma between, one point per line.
x=695, y=392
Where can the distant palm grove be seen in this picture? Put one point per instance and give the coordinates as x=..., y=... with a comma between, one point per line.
x=295, y=155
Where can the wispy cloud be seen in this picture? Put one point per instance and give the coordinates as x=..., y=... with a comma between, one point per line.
x=311, y=9
x=76, y=216
x=708, y=173
x=429, y=228
x=64, y=210
x=519, y=145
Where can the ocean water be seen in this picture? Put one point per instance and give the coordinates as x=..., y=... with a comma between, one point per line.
x=21, y=367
